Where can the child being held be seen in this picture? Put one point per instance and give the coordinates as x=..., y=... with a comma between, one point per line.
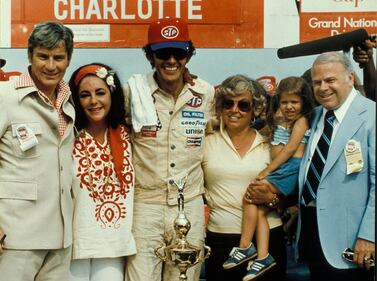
x=293, y=104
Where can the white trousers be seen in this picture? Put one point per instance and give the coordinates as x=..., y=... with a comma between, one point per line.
x=153, y=227
x=101, y=269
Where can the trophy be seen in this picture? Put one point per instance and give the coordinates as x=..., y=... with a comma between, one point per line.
x=182, y=254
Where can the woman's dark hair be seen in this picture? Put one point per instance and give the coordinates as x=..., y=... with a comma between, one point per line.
x=149, y=53
x=291, y=85
x=117, y=111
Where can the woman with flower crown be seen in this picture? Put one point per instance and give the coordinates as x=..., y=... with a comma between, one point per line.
x=103, y=184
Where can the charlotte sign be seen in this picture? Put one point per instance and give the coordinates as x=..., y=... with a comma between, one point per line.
x=124, y=23
x=324, y=18
x=212, y=23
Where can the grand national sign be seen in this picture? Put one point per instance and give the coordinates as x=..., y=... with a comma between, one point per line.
x=324, y=18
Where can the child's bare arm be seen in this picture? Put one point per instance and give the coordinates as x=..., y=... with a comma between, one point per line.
x=298, y=131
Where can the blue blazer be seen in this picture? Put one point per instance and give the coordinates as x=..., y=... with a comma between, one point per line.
x=345, y=203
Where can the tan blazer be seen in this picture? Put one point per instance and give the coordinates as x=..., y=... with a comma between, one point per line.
x=35, y=186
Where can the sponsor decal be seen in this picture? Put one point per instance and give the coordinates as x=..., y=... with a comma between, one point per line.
x=195, y=101
x=194, y=131
x=170, y=32
x=194, y=141
x=193, y=123
x=188, y=122
x=193, y=114
x=149, y=131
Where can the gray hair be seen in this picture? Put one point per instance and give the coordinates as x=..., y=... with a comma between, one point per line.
x=49, y=35
x=236, y=85
x=335, y=57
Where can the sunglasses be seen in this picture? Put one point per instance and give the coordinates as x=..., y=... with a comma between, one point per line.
x=348, y=253
x=166, y=53
x=242, y=105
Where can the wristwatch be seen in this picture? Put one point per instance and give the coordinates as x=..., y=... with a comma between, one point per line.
x=274, y=201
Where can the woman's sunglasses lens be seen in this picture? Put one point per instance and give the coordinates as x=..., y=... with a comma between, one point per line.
x=244, y=106
x=228, y=104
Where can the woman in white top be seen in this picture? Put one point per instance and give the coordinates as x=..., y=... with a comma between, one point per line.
x=103, y=186
x=234, y=156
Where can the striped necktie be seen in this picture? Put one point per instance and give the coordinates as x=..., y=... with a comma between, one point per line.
x=315, y=170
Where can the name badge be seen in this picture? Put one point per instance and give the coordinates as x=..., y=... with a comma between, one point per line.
x=26, y=137
x=354, y=157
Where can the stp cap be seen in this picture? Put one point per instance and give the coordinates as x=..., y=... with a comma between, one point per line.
x=168, y=33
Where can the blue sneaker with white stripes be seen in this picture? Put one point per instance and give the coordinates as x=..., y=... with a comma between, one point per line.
x=256, y=268
x=239, y=255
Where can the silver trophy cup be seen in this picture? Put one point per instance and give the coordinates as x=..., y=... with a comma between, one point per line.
x=182, y=254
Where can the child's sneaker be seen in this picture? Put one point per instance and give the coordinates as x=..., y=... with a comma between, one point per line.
x=256, y=268
x=240, y=255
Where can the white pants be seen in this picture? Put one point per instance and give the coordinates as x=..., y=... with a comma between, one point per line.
x=153, y=227
x=101, y=269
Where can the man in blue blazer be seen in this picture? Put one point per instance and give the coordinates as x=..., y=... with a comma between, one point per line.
x=340, y=212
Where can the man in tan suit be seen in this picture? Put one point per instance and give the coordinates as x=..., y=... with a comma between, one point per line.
x=36, y=141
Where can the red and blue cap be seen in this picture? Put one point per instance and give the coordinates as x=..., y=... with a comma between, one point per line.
x=168, y=33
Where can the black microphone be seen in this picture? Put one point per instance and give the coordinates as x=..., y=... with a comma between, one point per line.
x=338, y=42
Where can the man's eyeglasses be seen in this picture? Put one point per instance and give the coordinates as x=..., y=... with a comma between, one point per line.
x=242, y=105
x=166, y=53
x=348, y=253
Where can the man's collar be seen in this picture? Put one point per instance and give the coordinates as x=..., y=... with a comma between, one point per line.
x=25, y=85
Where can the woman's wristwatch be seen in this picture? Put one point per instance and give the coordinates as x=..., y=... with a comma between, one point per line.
x=274, y=202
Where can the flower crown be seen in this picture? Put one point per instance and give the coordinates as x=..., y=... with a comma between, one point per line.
x=99, y=71
x=108, y=76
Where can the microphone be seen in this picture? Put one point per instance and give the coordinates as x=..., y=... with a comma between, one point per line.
x=338, y=42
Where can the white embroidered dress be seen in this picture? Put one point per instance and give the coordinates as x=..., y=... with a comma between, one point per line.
x=103, y=210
